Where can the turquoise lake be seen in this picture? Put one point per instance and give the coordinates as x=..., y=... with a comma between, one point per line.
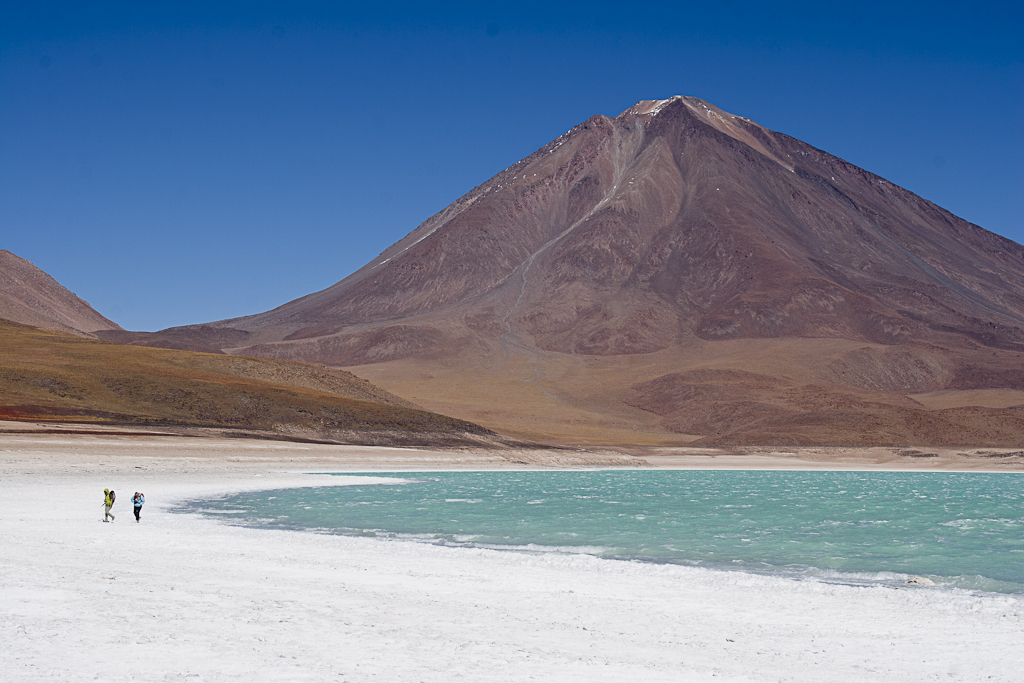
x=960, y=530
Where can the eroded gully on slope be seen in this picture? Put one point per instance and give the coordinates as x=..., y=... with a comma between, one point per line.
x=510, y=341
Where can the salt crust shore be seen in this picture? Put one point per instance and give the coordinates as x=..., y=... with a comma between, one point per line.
x=182, y=598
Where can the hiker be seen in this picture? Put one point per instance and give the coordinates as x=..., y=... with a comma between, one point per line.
x=108, y=502
x=137, y=500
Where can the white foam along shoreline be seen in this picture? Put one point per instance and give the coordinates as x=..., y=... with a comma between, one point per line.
x=182, y=597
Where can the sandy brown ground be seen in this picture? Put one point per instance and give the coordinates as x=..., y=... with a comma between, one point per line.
x=91, y=448
x=590, y=400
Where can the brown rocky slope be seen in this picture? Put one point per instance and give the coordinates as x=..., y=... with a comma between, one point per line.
x=679, y=273
x=31, y=297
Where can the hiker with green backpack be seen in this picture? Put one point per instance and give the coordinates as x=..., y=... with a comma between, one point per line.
x=108, y=502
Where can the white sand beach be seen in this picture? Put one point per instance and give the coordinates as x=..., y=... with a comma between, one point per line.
x=184, y=598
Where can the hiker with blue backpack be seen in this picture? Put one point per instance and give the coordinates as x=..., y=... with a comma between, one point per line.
x=137, y=501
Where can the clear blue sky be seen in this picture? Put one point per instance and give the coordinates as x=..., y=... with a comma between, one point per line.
x=179, y=162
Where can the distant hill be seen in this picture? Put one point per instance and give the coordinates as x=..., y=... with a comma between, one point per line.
x=31, y=297
x=679, y=273
x=47, y=375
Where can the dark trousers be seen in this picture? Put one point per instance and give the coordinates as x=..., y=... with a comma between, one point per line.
x=137, y=511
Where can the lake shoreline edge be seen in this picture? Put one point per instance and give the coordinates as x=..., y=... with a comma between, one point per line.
x=180, y=595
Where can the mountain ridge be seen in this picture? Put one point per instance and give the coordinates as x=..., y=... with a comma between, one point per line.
x=31, y=297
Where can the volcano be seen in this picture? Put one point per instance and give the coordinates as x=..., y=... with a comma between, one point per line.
x=680, y=274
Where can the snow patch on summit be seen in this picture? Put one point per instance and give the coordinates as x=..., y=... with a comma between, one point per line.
x=651, y=107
